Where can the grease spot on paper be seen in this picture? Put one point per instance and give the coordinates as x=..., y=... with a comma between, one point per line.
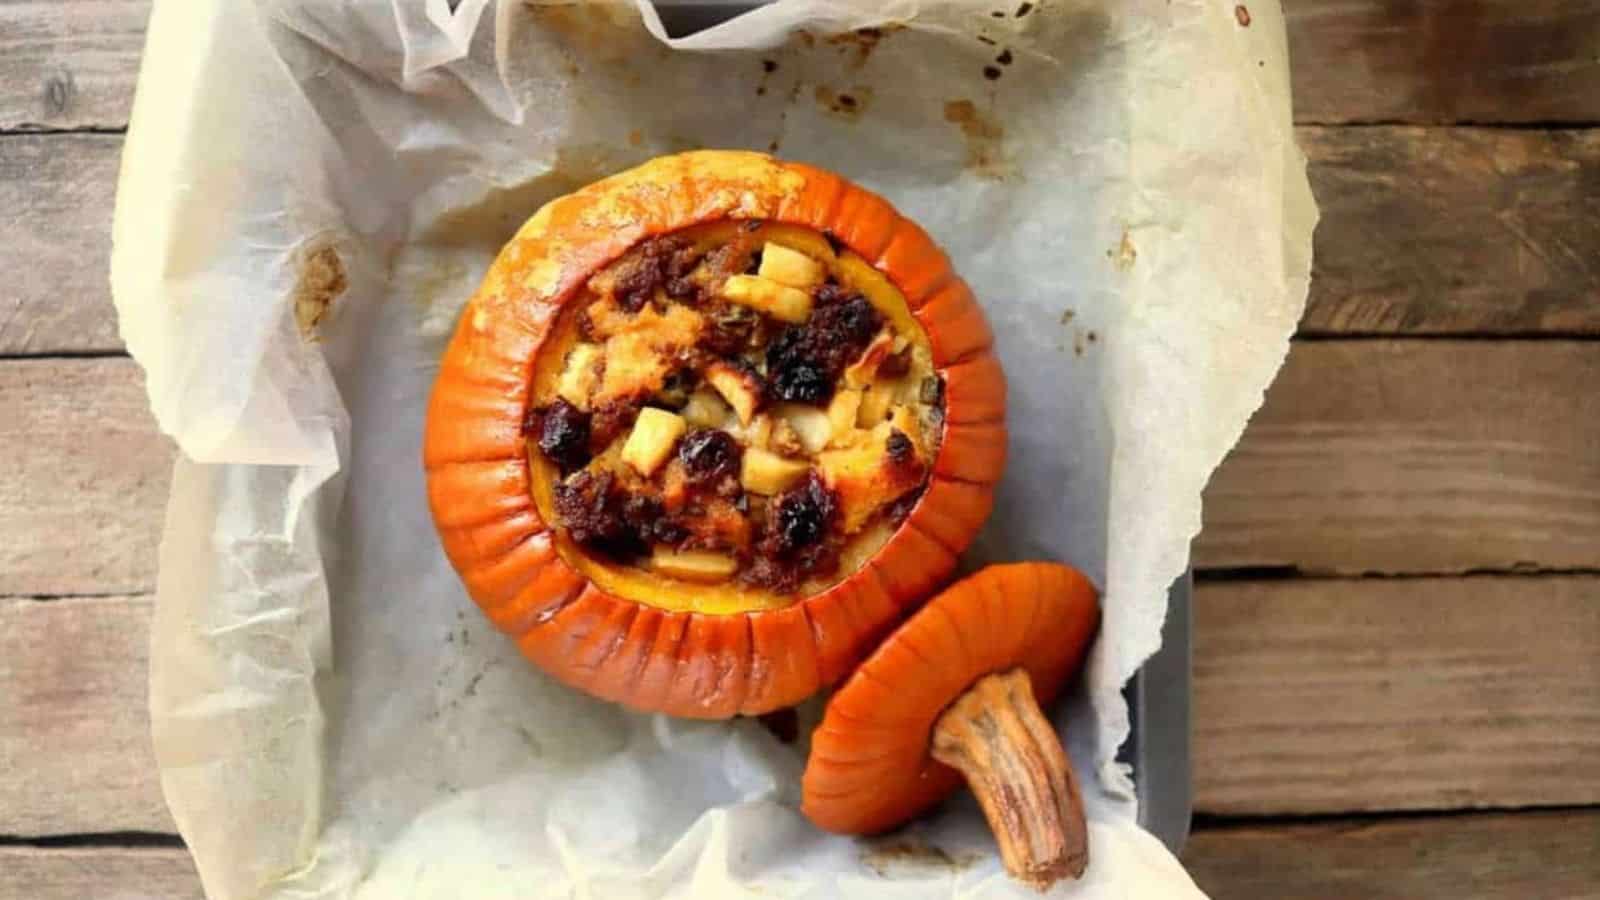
x=321, y=281
x=984, y=136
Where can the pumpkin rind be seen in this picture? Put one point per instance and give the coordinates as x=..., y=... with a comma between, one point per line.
x=689, y=663
x=870, y=767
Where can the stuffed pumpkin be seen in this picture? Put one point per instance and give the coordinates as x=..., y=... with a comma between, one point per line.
x=709, y=429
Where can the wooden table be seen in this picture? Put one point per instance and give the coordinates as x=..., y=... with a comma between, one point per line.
x=1397, y=649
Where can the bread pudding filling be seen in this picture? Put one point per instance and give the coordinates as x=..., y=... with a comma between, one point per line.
x=736, y=404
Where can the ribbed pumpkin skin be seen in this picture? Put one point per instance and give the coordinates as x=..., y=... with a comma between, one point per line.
x=870, y=768
x=688, y=663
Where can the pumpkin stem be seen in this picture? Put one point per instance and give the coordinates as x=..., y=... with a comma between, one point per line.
x=996, y=736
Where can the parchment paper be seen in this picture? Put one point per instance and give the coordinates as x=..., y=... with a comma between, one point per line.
x=310, y=192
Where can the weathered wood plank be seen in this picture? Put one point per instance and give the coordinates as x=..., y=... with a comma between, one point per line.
x=1416, y=456
x=1488, y=856
x=84, y=485
x=101, y=873
x=72, y=65
x=75, y=751
x=1310, y=697
x=1424, y=231
x=1493, y=856
x=1455, y=230
x=1411, y=456
x=69, y=65
x=55, y=242
x=1445, y=61
x=1316, y=696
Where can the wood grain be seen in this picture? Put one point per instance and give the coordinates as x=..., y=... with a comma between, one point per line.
x=69, y=65
x=1416, y=456
x=1455, y=230
x=1424, y=231
x=73, y=65
x=55, y=243
x=1491, y=856
x=1317, y=696
x=100, y=873
x=1488, y=856
x=1443, y=61
x=75, y=751
x=84, y=485
x=1371, y=456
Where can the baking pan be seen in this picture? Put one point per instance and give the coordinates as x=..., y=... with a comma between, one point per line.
x=1158, y=694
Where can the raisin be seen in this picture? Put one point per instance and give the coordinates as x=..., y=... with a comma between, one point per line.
x=564, y=436
x=709, y=454
x=901, y=450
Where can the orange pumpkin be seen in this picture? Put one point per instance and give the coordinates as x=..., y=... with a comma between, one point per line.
x=955, y=694
x=627, y=632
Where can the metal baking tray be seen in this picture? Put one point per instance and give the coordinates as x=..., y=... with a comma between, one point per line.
x=1158, y=695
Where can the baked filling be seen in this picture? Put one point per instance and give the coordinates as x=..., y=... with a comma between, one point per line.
x=737, y=404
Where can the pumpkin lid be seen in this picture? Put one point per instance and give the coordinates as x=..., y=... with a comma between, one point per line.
x=951, y=695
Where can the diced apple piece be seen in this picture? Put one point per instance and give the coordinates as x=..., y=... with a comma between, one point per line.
x=875, y=404
x=810, y=425
x=785, y=442
x=861, y=372
x=705, y=410
x=654, y=434
x=842, y=411
x=864, y=476
x=759, y=432
x=790, y=267
x=692, y=565
x=579, y=377
x=768, y=473
x=776, y=300
x=738, y=387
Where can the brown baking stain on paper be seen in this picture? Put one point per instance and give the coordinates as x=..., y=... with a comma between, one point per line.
x=886, y=858
x=985, y=149
x=861, y=42
x=847, y=105
x=321, y=281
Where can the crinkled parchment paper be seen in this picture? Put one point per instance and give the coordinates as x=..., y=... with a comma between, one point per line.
x=311, y=190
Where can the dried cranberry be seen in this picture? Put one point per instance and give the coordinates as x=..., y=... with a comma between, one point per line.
x=801, y=382
x=564, y=435
x=802, y=515
x=804, y=361
x=709, y=455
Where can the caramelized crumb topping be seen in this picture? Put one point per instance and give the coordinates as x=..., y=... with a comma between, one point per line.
x=734, y=410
